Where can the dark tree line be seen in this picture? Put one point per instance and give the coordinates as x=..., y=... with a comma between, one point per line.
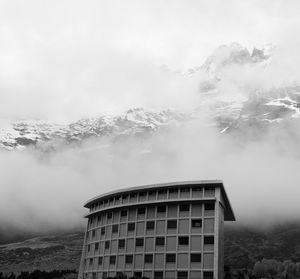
x=38, y=274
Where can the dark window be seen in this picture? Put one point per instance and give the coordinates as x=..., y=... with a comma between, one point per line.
x=183, y=240
x=172, y=224
x=196, y=258
x=209, y=240
x=197, y=189
x=141, y=210
x=93, y=233
x=112, y=259
x=150, y=225
x=209, y=206
x=109, y=215
x=91, y=261
x=89, y=247
x=97, y=246
x=115, y=228
x=158, y=275
x=124, y=197
x=99, y=218
x=100, y=259
x=139, y=242
x=133, y=195
x=196, y=223
x=161, y=208
x=162, y=191
x=137, y=274
x=104, y=276
x=106, y=244
x=173, y=190
x=184, y=207
x=121, y=243
x=170, y=258
x=184, y=190
x=124, y=213
x=152, y=193
x=160, y=241
x=143, y=194
x=128, y=259
x=149, y=258
x=182, y=275
x=111, y=199
x=131, y=226
x=208, y=275
x=103, y=230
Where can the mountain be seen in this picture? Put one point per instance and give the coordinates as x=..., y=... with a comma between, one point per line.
x=133, y=122
x=234, y=107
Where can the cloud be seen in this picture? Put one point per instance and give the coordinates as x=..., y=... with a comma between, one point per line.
x=66, y=60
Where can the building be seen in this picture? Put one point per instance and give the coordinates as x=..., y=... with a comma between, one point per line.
x=170, y=231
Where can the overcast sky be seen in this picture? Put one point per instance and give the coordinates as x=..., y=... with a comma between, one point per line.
x=62, y=60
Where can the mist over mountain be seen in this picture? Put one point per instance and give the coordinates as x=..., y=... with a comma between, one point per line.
x=238, y=121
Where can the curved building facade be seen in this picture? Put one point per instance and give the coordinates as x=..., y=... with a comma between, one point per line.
x=170, y=231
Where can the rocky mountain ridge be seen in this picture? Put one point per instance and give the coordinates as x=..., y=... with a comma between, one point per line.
x=252, y=110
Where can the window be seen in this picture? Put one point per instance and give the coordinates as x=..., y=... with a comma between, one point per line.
x=152, y=193
x=160, y=241
x=196, y=258
x=143, y=194
x=109, y=215
x=208, y=275
x=182, y=275
x=139, y=242
x=162, y=191
x=141, y=210
x=170, y=258
x=106, y=244
x=161, y=208
x=104, y=276
x=209, y=206
x=133, y=195
x=124, y=213
x=115, y=228
x=209, y=240
x=89, y=247
x=149, y=258
x=112, y=260
x=196, y=223
x=91, y=261
x=197, y=189
x=96, y=246
x=184, y=207
x=131, y=226
x=184, y=190
x=99, y=218
x=158, y=275
x=183, y=240
x=172, y=190
x=129, y=259
x=102, y=230
x=93, y=233
x=124, y=197
x=150, y=225
x=100, y=260
x=137, y=274
x=172, y=224
x=121, y=243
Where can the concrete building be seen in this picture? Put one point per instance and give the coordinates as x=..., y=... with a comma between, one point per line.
x=170, y=231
